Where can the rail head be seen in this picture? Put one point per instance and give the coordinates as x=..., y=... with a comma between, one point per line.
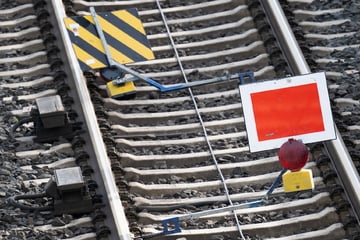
x=336, y=149
x=120, y=230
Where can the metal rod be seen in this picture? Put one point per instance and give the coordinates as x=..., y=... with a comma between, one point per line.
x=138, y=76
x=221, y=210
x=111, y=61
x=101, y=35
x=274, y=185
x=238, y=206
x=175, y=221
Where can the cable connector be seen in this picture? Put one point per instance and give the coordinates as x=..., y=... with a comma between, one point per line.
x=66, y=188
x=50, y=120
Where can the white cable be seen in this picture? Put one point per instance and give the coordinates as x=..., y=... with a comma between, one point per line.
x=200, y=119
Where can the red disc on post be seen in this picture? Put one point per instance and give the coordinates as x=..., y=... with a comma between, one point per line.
x=293, y=155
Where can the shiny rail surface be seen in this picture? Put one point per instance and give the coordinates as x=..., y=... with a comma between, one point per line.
x=117, y=215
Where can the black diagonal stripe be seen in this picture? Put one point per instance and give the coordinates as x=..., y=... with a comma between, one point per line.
x=83, y=22
x=87, y=47
x=134, y=12
x=112, y=41
x=140, y=37
x=117, y=44
x=81, y=43
x=129, y=52
x=84, y=66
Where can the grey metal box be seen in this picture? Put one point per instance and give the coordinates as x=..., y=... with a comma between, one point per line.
x=69, y=178
x=51, y=111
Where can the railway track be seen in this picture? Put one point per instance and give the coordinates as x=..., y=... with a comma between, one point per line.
x=182, y=152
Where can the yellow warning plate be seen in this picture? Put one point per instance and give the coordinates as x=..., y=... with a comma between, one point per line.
x=124, y=33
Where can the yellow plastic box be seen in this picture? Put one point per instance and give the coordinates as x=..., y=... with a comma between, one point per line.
x=119, y=92
x=298, y=181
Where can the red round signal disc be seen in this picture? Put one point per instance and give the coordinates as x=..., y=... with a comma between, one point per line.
x=293, y=155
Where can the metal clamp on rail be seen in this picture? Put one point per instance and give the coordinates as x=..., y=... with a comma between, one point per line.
x=98, y=46
x=114, y=87
x=172, y=225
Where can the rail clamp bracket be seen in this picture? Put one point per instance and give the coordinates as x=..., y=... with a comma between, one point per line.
x=105, y=48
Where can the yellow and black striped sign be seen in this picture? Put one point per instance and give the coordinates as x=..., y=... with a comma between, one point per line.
x=124, y=33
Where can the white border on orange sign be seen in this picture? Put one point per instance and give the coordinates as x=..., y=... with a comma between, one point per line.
x=247, y=89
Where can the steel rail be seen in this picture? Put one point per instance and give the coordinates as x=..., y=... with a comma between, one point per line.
x=121, y=229
x=336, y=149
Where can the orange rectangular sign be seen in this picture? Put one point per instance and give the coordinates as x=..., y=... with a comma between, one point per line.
x=287, y=112
x=293, y=107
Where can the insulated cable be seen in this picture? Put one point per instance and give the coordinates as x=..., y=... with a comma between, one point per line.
x=14, y=201
x=17, y=125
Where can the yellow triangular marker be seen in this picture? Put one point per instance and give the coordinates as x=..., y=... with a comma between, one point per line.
x=298, y=181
